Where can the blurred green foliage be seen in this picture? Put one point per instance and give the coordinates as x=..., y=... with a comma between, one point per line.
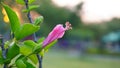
x=59, y=15
x=55, y=15
x=104, y=28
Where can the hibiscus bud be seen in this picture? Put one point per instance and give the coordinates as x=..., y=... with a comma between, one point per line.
x=56, y=33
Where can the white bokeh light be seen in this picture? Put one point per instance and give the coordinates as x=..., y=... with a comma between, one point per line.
x=66, y=3
x=100, y=10
x=94, y=10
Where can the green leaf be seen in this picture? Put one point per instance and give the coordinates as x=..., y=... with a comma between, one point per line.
x=50, y=45
x=42, y=52
x=0, y=53
x=26, y=30
x=33, y=58
x=31, y=1
x=27, y=49
x=12, y=51
x=1, y=60
x=22, y=1
x=12, y=62
x=29, y=65
x=38, y=20
x=30, y=43
x=31, y=8
x=23, y=62
x=14, y=21
x=20, y=64
x=37, y=49
x=40, y=40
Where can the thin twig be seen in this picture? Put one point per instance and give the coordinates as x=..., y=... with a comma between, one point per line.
x=34, y=35
x=39, y=60
x=3, y=49
x=30, y=19
x=5, y=66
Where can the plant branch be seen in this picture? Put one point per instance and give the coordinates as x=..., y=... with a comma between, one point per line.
x=5, y=66
x=34, y=35
x=3, y=49
x=39, y=60
x=29, y=17
x=27, y=7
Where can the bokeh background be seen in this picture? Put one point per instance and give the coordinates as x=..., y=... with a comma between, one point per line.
x=94, y=41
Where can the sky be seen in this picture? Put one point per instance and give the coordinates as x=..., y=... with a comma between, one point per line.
x=94, y=10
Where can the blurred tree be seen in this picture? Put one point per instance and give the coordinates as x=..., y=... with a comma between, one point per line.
x=113, y=25
x=54, y=14
x=102, y=29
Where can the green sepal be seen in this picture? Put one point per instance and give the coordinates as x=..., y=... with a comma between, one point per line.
x=49, y=45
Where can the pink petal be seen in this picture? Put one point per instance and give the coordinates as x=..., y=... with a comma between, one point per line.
x=55, y=34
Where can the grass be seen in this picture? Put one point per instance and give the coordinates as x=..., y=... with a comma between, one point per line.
x=65, y=60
